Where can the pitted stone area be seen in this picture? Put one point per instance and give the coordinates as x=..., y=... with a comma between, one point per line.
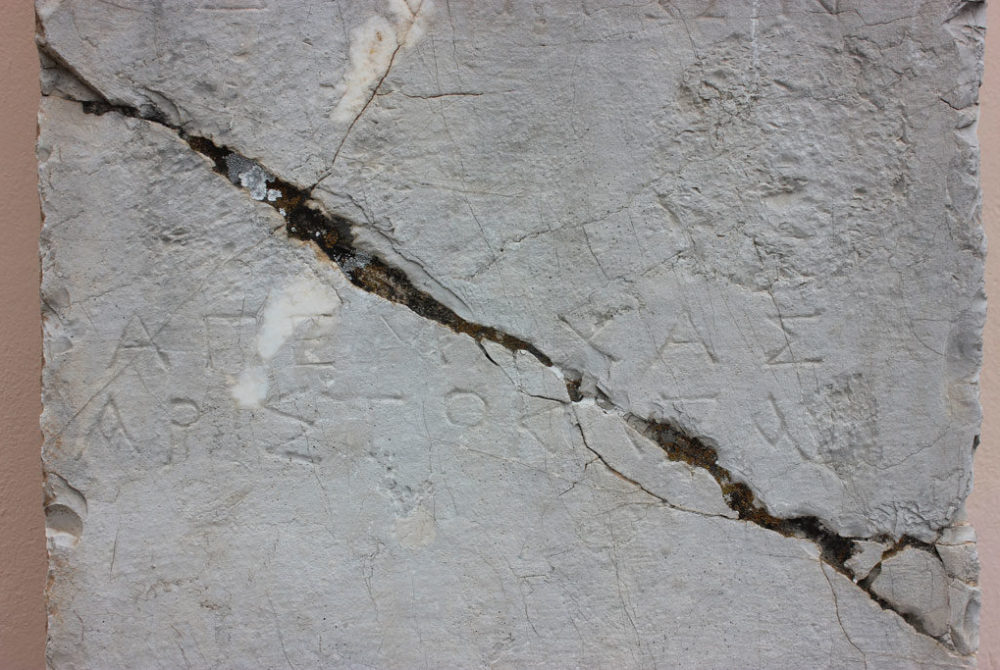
x=400, y=333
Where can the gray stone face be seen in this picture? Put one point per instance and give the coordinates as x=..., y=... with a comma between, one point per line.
x=389, y=334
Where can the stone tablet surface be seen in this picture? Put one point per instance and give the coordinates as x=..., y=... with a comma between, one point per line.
x=413, y=333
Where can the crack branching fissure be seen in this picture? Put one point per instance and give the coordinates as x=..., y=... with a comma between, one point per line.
x=835, y=550
x=333, y=234
x=598, y=456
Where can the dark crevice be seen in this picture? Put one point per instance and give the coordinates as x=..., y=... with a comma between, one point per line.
x=573, y=389
x=147, y=112
x=679, y=446
x=909, y=617
x=907, y=541
x=333, y=235
x=835, y=549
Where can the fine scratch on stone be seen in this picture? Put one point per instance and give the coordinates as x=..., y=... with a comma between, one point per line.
x=371, y=58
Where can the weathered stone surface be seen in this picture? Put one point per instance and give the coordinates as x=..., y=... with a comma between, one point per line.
x=722, y=216
x=473, y=334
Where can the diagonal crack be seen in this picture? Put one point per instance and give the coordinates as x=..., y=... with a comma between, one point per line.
x=333, y=235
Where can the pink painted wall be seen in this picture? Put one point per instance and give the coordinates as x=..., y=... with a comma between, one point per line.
x=22, y=543
x=984, y=504
x=22, y=540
